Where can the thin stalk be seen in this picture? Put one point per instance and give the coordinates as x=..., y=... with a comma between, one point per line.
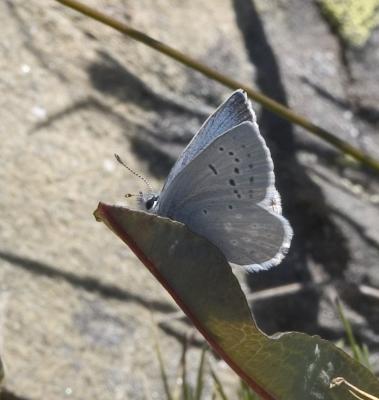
x=349, y=333
x=186, y=390
x=162, y=370
x=264, y=100
x=218, y=385
x=355, y=391
x=200, y=375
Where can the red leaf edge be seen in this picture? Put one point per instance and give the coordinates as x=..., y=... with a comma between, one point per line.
x=114, y=226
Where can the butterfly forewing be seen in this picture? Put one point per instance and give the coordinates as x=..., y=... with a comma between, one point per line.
x=234, y=111
x=226, y=194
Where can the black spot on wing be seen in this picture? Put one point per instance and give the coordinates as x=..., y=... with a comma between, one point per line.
x=213, y=168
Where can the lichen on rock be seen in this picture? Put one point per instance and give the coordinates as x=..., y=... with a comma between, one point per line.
x=354, y=20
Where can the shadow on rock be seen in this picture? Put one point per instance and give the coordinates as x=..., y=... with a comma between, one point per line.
x=366, y=113
x=172, y=124
x=168, y=129
x=87, y=283
x=8, y=395
x=316, y=236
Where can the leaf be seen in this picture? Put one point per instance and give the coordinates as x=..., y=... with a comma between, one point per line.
x=287, y=366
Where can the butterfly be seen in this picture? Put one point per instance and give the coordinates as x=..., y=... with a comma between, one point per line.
x=223, y=188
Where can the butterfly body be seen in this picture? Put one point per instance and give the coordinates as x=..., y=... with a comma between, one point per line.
x=223, y=188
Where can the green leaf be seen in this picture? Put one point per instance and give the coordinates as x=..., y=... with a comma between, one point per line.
x=288, y=366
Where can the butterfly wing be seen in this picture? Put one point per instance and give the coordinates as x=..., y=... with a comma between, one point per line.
x=235, y=110
x=227, y=194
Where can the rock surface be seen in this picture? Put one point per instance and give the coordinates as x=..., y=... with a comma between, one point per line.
x=76, y=305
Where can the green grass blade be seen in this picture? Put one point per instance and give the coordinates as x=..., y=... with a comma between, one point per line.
x=366, y=357
x=162, y=370
x=349, y=333
x=186, y=388
x=218, y=386
x=245, y=393
x=200, y=376
x=360, y=353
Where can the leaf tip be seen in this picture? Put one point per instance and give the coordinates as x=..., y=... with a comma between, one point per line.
x=99, y=212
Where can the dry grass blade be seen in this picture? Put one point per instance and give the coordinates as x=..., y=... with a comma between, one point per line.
x=356, y=392
x=266, y=101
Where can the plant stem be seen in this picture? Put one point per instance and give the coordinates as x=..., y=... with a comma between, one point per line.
x=264, y=100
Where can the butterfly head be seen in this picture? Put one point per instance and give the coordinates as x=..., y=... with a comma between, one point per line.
x=148, y=201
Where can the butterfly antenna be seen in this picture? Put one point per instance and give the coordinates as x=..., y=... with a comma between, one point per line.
x=134, y=172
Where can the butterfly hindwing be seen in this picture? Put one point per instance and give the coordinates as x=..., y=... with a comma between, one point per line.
x=227, y=194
